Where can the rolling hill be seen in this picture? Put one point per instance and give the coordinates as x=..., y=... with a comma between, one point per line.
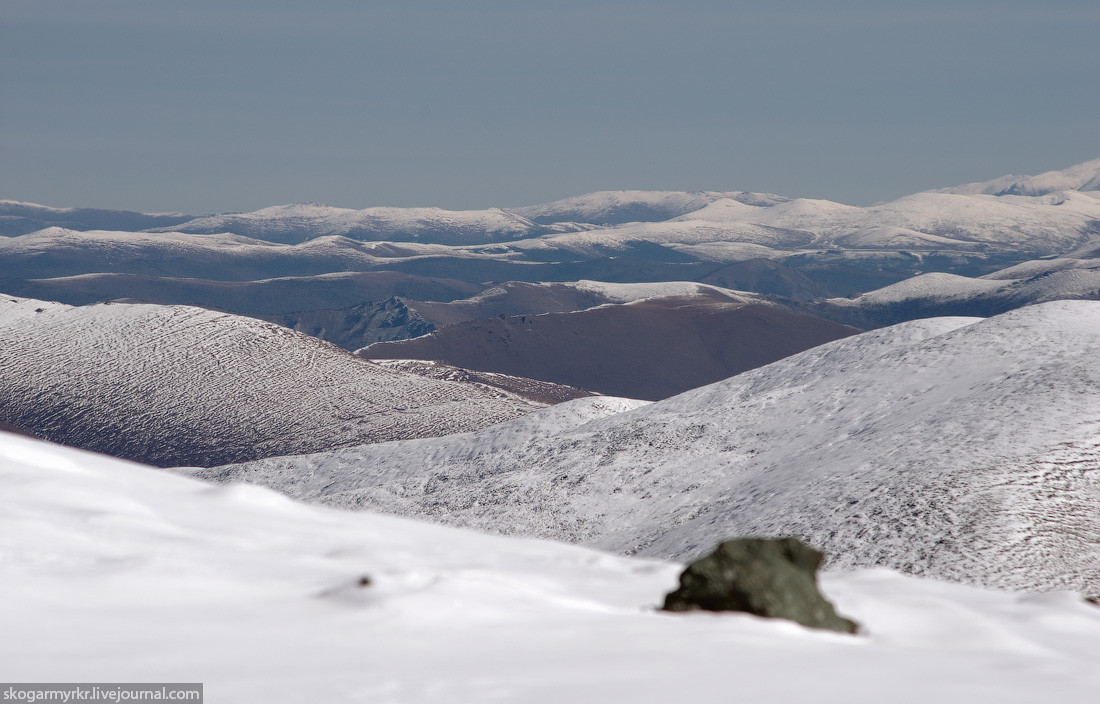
x=956, y=448
x=172, y=385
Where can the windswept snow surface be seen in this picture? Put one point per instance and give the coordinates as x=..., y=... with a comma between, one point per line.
x=117, y=572
x=959, y=448
x=174, y=385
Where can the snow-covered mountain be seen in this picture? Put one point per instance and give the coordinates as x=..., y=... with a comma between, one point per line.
x=294, y=224
x=1046, y=224
x=524, y=298
x=55, y=252
x=959, y=448
x=285, y=294
x=174, y=385
x=18, y=218
x=1081, y=177
x=618, y=207
x=115, y=571
x=839, y=249
x=937, y=294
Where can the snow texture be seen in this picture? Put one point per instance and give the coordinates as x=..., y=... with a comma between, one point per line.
x=116, y=572
x=182, y=385
x=1082, y=177
x=959, y=448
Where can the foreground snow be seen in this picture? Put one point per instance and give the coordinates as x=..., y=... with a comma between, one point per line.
x=118, y=572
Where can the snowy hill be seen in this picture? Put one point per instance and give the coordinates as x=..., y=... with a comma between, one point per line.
x=294, y=224
x=1081, y=177
x=112, y=571
x=17, y=218
x=937, y=294
x=523, y=298
x=174, y=385
x=1047, y=225
x=56, y=252
x=618, y=207
x=285, y=294
x=958, y=448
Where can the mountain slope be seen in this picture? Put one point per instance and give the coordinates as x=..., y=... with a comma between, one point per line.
x=930, y=295
x=18, y=218
x=57, y=252
x=114, y=568
x=648, y=349
x=294, y=224
x=618, y=207
x=956, y=448
x=171, y=385
x=289, y=294
x=524, y=298
x=1081, y=177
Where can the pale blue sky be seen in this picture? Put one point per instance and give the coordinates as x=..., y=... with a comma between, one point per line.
x=239, y=104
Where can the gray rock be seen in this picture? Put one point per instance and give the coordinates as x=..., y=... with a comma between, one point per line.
x=772, y=577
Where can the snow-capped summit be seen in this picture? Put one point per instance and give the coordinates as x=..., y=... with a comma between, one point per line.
x=293, y=224
x=620, y=207
x=1081, y=177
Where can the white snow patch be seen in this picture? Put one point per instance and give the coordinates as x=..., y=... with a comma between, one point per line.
x=125, y=573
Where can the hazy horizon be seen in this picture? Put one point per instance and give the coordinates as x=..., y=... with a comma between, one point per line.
x=233, y=106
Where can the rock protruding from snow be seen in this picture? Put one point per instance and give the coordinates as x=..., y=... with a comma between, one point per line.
x=770, y=577
x=112, y=567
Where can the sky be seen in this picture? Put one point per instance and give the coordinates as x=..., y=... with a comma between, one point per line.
x=234, y=105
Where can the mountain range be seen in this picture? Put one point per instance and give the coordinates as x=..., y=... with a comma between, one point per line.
x=939, y=445
x=377, y=461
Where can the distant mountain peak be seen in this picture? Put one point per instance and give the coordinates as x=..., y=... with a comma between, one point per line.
x=1080, y=177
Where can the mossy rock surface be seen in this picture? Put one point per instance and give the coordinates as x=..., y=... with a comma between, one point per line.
x=771, y=577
